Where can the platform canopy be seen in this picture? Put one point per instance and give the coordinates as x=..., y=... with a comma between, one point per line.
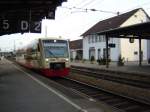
x=25, y=15
x=137, y=31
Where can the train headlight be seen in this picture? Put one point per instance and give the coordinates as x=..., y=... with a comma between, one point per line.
x=67, y=59
x=46, y=60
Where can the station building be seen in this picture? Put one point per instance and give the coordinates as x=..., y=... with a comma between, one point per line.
x=95, y=45
x=76, y=49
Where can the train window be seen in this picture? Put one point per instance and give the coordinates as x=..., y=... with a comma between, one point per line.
x=55, y=49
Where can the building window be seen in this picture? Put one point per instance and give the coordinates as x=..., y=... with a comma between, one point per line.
x=92, y=38
x=100, y=38
x=103, y=38
x=88, y=39
x=96, y=38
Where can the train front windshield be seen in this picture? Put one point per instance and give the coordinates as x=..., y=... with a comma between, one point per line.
x=55, y=48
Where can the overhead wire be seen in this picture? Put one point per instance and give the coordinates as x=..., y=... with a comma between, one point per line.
x=74, y=9
x=96, y=2
x=81, y=2
x=86, y=9
x=88, y=3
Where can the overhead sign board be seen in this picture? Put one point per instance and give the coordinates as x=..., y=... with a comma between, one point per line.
x=21, y=16
x=22, y=21
x=112, y=45
x=8, y=26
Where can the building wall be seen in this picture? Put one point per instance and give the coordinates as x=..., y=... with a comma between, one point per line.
x=148, y=49
x=72, y=54
x=76, y=52
x=85, y=48
x=145, y=49
x=130, y=51
x=99, y=45
x=115, y=52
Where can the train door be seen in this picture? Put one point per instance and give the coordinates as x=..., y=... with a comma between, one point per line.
x=41, y=54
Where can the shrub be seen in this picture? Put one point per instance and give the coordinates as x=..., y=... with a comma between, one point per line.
x=120, y=61
x=103, y=61
x=83, y=60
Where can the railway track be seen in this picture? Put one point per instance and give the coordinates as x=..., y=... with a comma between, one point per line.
x=119, y=102
x=122, y=103
x=139, y=81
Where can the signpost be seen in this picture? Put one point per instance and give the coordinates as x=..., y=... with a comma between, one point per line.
x=112, y=45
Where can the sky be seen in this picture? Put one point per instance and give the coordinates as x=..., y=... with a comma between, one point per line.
x=72, y=20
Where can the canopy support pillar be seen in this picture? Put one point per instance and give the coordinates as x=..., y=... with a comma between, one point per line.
x=107, y=63
x=140, y=53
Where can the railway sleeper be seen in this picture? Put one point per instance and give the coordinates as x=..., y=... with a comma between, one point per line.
x=138, y=94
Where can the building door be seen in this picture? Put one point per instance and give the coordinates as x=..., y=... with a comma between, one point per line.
x=99, y=54
x=91, y=52
x=80, y=54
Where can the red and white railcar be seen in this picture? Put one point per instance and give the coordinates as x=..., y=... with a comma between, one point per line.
x=48, y=55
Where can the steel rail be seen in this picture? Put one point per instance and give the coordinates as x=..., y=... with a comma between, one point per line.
x=119, y=102
x=119, y=78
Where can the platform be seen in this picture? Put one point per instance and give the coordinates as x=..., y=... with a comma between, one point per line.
x=129, y=67
x=21, y=91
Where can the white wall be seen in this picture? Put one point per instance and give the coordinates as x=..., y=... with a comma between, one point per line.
x=127, y=48
x=85, y=48
x=144, y=49
x=114, y=52
x=73, y=54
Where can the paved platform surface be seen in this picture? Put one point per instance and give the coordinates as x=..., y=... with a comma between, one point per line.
x=22, y=92
x=130, y=67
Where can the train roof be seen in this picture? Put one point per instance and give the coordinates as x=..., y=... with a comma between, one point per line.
x=57, y=38
x=33, y=43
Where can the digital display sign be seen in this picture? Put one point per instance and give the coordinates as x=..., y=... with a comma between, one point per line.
x=13, y=26
x=20, y=16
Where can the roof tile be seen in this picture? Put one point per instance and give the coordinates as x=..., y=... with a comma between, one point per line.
x=76, y=44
